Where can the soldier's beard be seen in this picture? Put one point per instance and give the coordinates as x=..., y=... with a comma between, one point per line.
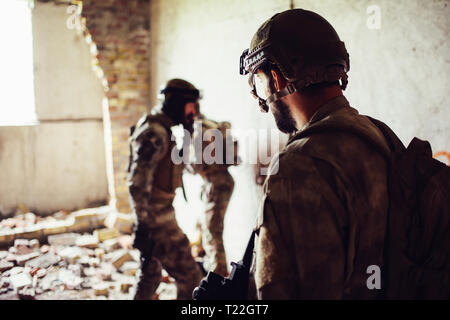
x=188, y=123
x=283, y=117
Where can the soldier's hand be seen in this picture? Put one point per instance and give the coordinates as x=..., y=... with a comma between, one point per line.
x=212, y=287
x=201, y=292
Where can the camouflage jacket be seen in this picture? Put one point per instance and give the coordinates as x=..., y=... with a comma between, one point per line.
x=151, y=170
x=323, y=217
x=205, y=138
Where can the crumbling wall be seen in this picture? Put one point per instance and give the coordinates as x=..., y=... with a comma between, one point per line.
x=120, y=31
x=60, y=162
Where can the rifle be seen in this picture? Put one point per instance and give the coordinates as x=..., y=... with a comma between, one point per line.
x=235, y=287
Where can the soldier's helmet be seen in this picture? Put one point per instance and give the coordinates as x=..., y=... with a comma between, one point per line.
x=176, y=93
x=303, y=46
x=182, y=88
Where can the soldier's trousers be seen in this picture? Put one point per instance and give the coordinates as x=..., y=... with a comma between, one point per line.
x=164, y=245
x=217, y=193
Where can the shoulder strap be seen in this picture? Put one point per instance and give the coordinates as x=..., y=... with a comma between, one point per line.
x=162, y=119
x=144, y=122
x=248, y=255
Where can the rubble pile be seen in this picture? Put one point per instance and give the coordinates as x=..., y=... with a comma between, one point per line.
x=70, y=261
x=43, y=256
x=27, y=225
x=62, y=262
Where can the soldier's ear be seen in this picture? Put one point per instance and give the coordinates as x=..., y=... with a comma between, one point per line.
x=278, y=80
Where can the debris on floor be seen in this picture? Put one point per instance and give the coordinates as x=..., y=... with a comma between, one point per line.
x=70, y=256
x=30, y=226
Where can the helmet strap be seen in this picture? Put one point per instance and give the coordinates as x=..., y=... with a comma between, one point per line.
x=264, y=104
x=289, y=89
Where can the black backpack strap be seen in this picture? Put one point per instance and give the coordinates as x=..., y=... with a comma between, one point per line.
x=246, y=264
x=248, y=255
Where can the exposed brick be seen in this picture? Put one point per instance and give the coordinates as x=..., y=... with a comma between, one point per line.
x=106, y=233
x=120, y=30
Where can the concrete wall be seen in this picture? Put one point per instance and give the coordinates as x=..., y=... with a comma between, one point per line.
x=399, y=72
x=59, y=163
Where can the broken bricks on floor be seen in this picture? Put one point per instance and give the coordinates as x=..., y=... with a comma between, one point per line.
x=67, y=259
x=26, y=225
x=17, y=268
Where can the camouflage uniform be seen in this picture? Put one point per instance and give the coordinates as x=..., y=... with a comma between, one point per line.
x=153, y=178
x=216, y=193
x=323, y=218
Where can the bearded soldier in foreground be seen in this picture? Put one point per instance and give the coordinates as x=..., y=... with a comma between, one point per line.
x=153, y=179
x=323, y=219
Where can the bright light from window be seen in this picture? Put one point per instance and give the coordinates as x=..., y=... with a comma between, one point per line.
x=16, y=63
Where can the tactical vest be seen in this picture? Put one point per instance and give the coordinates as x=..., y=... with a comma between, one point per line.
x=168, y=175
x=206, y=169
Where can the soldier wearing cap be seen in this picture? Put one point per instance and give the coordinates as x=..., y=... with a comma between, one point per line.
x=322, y=221
x=153, y=179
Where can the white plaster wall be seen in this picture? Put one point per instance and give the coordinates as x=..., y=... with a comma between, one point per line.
x=52, y=166
x=66, y=86
x=59, y=163
x=398, y=74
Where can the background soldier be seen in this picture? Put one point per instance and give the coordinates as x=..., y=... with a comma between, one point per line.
x=153, y=178
x=216, y=193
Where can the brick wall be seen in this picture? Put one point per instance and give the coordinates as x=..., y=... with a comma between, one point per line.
x=120, y=31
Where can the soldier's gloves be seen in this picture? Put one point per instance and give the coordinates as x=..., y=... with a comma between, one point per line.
x=235, y=287
x=213, y=287
x=201, y=292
